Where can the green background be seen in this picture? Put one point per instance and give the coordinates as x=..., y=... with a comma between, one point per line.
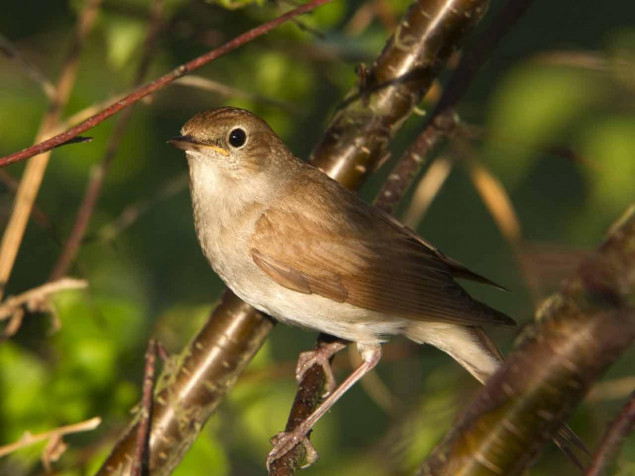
x=151, y=278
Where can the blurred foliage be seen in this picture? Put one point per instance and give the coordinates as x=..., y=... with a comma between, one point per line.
x=557, y=129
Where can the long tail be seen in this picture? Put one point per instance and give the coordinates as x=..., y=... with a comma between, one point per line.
x=476, y=352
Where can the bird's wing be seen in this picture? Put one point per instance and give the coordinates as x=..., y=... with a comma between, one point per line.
x=351, y=253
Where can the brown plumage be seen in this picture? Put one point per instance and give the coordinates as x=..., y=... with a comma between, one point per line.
x=297, y=245
x=361, y=257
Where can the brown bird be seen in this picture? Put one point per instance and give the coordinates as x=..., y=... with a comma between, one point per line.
x=295, y=244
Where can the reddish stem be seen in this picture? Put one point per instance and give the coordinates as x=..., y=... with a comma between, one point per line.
x=157, y=84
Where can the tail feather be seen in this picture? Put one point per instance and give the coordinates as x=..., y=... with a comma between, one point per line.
x=495, y=316
x=461, y=271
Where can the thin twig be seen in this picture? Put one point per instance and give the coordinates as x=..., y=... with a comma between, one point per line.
x=159, y=83
x=35, y=300
x=413, y=159
x=11, y=304
x=142, y=457
x=29, y=439
x=98, y=173
x=617, y=430
x=34, y=172
x=29, y=68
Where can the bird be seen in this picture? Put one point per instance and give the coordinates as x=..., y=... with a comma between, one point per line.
x=295, y=244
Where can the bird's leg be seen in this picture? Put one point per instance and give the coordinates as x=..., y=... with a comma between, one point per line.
x=321, y=356
x=285, y=441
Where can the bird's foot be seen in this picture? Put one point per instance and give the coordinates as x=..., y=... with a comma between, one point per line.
x=320, y=356
x=285, y=441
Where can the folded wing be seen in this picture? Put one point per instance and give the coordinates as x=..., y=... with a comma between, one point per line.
x=356, y=254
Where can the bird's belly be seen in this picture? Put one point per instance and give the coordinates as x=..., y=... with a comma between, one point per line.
x=314, y=311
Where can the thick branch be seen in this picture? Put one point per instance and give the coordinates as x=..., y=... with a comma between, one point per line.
x=579, y=332
x=359, y=134
x=178, y=418
x=394, y=86
x=202, y=376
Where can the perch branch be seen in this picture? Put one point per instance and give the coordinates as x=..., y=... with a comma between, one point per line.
x=359, y=134
x=187, y=395
x=578, y=333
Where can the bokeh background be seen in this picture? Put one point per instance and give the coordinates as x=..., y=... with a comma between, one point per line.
x=551, y=116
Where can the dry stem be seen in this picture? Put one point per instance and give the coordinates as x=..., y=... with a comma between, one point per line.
x=29, y=439
x=35, y=295
x=98, y=174
x=34, y=171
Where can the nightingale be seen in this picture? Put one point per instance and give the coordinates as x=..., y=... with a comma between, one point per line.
x=295, y=244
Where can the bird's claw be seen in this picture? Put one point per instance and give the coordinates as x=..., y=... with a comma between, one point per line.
x=285, y=441
x=320, y=356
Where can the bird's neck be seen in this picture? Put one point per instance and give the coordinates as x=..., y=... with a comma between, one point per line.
x=225, y=207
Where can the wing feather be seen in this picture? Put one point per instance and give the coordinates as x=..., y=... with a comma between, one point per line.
x=356, y=254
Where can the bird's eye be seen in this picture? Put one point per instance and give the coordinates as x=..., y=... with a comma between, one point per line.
x=237, y=138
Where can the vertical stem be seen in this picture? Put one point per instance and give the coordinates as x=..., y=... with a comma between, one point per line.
x=36, y=167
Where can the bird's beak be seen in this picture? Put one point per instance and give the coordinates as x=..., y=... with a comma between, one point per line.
x=188, y=143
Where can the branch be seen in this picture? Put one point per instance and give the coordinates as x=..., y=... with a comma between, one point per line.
x=187, y=395
x=360, y=132
x=209, y=369
x=399, y=78
x=34, y=171
x=29, y=439
x=615, y=434
x=98, y=174
x=413, y=159
x=159, y=83
x=578, y=333
x=443, y=121
x=10, y=305
x=35, y=299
